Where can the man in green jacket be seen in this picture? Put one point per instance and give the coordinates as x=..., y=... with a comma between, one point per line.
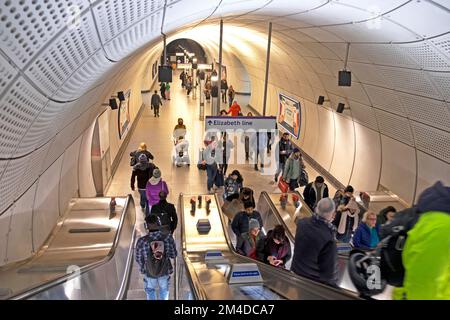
x=293, y=168
x=426, y=255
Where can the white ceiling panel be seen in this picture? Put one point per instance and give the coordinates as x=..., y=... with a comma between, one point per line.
x=386, y=31
x=413, y=14
x=288, y=7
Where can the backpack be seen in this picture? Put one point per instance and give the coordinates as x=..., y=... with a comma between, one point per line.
x=303, y=179
x=394, y=235
x=157, y=264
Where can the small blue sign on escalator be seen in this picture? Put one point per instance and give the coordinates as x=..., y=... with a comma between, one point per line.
x=237, y=274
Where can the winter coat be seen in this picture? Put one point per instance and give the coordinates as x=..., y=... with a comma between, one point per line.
x=310, y=194
x=154, y=186
x=156, y=100
x=246, y=245
x=234, y=110
x=240, y=221
x=284, y=149
x=270, y=248
x=223, y=85
x=167, y=214
x=426, y=255
x=315, y=251
x=362, y=237
x=143, y=172
x=293, y=168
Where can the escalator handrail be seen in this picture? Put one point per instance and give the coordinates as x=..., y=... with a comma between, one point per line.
x=288, y=232
x=197, y=290
x=275, y=270
x=41, y=288
x=276, y=214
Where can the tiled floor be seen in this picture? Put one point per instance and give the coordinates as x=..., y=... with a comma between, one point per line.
x=157, y=133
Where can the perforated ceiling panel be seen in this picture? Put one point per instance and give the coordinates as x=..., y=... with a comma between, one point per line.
x=18, y=108
x=442, y=82
x=64, y=57
x=428, y=111
x=413, y=81
x=385, y=99
x=432, y=141
x=10, y=181
x=364, y=115
x=26, y=26
x=425, y=56
x=395, y=127
x=7, y=73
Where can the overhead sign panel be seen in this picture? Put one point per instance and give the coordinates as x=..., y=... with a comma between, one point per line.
x=239, y=123
x=184, y=65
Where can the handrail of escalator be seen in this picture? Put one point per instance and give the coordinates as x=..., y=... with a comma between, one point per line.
x=276, y=214
x=278, y=217
x=70, y=276
x=197, y=290
x=276, y=270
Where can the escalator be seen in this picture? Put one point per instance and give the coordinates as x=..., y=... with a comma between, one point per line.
x=211, y=279
x=88, y=256
x=274, y=213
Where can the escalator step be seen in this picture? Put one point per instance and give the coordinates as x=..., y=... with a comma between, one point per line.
x=89, y=230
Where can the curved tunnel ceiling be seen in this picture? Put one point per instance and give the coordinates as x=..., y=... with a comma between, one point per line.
x=59, y=58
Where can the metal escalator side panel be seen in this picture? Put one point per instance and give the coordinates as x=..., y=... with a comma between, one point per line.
x=104, y=279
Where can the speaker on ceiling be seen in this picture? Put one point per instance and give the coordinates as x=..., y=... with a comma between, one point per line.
x=340, y=108
x=321, y=100
x=121, y=96
x=345, y=78
x=113, y=104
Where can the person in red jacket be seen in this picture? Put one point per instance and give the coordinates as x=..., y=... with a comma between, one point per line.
x=235, y=109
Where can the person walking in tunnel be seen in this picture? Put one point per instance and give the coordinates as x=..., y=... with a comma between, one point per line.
x=183, y=79
x=235, y=109
x=156, y=103
x=143, y=170
x=283, y=149
x=315, y=250
x=142, y=149
x=166, y=213
x=162, y=89
x=189, y=85
x=224, y=149
x=153, y=253
x=293, y=169
x=315, y=191
x=231, y=95
x=154, y=185
x=167, y=92
x=209, y=159
x=223, y=89
x=258, y=144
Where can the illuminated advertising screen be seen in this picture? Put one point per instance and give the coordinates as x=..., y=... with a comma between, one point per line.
x=289, y=115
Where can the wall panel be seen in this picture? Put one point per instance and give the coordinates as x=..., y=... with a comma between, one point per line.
x=46, y=208
x=366, y=170
x=344, y=149
x=398, y=170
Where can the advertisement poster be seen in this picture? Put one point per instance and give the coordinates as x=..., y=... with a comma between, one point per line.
x=289, y=115
x=124, y=115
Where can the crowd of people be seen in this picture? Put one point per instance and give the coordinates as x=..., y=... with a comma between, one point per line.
x=314, y=254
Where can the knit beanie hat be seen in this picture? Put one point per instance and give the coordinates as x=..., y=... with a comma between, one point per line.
x=253, y=224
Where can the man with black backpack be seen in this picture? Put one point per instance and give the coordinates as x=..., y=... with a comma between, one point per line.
x=165, y=213
x=153, y=254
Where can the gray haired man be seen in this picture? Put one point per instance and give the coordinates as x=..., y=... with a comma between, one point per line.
x=315, y=251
